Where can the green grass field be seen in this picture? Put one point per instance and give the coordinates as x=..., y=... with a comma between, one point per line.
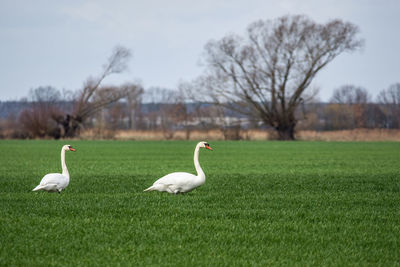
x=263, y=204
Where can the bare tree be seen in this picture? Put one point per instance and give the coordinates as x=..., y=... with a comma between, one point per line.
x=390, y=95
x=266, y=73
x=172, y=112
x=389, y=100
x=206, y=116
x=93, y=97
x=133, y=100
x=37, y=120
x=350, y=104
x=338, y=117
x=350, y=94
x=168, y=111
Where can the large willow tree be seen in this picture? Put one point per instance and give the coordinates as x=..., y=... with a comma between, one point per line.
x=265, y=74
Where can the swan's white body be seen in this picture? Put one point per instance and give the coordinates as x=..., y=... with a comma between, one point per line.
x=182, y=182
x=56, y=182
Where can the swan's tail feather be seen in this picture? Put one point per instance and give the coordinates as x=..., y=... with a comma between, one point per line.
x=151, y=188
x=161, y=188
x=37, y=188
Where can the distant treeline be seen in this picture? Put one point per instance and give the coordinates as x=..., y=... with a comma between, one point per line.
x=24, y=119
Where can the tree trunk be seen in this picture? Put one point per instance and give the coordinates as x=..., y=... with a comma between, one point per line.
x=70, y=125
x=286, y=132
x=188, y=131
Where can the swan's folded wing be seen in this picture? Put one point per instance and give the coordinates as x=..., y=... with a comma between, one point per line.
x=53, y=178
x=175, y=178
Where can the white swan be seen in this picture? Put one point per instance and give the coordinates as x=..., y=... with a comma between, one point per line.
x=182, y=182
x=55, y=182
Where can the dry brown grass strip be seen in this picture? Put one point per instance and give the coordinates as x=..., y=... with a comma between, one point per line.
x=342, y=135
x=351, y=135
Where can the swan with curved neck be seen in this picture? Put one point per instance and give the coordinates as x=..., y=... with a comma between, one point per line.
x=56, y=182
x=182, y=182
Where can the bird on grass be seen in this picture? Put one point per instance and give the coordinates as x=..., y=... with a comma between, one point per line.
x=56, y=182
x=182, y=182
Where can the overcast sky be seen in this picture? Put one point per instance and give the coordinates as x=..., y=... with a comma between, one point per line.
x=60, y=43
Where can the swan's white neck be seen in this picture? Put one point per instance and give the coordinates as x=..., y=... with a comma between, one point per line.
x=63, y=165
x=200, y=172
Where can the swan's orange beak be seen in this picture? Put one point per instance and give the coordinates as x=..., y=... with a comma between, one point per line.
x=72, y=149
x=208, y=147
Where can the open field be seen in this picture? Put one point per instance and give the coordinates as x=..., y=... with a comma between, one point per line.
x=263, y=203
